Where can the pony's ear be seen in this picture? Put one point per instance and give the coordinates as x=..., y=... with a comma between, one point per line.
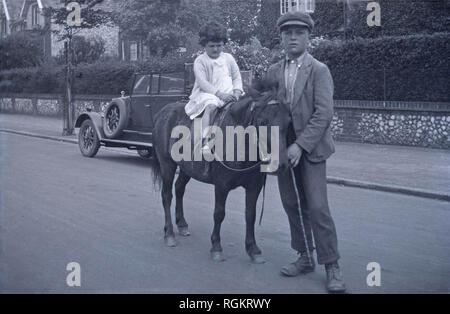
x=263, y=85
x=270, y=83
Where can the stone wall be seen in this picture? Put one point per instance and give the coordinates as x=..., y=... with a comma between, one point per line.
x=398, y=123
x=50, y=105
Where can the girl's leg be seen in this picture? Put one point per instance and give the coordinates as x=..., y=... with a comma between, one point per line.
x=206, y=120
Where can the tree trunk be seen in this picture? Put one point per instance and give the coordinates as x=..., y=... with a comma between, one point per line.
x=68, y=112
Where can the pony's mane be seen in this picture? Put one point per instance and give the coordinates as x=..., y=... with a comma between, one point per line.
x=257, y=97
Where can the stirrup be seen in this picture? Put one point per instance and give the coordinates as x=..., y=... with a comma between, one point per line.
x=265, y=160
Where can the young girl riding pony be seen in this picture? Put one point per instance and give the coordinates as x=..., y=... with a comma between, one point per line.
x=217, y=78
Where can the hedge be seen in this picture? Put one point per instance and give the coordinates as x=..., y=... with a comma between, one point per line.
x=103, y=77
x=43, y=79
x=412, y=68
x=407, y=68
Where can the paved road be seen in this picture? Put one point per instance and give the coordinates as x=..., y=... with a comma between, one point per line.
x=57, y=207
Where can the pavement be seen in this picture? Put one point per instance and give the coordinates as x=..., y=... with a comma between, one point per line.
x=417, y=171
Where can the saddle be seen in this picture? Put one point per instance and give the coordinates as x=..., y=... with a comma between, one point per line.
x=195, y=166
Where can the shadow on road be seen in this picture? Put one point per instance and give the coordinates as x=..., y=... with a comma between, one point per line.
x=124, y=159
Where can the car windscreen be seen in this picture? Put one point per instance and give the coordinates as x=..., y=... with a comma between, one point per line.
x=159, y=84
x=142, y=85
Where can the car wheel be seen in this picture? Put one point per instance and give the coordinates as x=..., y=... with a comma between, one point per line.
x=115, y=120
x=88, y=139
x=145, y=153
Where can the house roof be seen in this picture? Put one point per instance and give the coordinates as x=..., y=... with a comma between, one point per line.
x=2, y=9
x=51, y=3
x=106, y=5
x=11, y=8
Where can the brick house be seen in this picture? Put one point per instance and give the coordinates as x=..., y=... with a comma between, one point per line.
x=9, y=12
x=28, y=16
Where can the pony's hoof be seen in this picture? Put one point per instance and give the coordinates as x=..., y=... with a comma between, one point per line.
x=184, y=231
x=257, y=259
x=217, y=256
x=170, y=241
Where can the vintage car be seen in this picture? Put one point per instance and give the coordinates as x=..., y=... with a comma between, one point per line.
x=127, y=121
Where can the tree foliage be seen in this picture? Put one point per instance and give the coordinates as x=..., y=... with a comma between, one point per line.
x=158, y=22
x=398, y=17
x=90, y=17
x=166, y=25
x=241, y=18
x=86, y=50
x=267, y=31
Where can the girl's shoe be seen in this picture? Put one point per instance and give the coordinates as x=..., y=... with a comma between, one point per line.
x=207, y=150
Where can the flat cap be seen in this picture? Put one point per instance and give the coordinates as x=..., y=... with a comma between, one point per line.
x=296, y=18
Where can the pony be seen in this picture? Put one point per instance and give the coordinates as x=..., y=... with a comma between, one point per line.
x=257, y=108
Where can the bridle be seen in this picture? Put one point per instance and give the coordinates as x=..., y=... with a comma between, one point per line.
x=252, y=108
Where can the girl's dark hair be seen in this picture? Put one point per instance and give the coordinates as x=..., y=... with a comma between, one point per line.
x=214, y=32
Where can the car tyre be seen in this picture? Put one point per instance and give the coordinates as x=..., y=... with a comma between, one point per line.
x=88, y=140
x=115, y=120
x=145, y=153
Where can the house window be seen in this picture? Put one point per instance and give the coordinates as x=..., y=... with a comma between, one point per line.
x=2, y=27
x=297, y=5
x=34, y=15
x=283, y=7
x=310, y=6
x=145, y=52
x=289, y=5
x=133, y=51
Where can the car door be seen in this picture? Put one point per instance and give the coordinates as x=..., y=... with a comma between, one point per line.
x=166, y=88
x=140, y=115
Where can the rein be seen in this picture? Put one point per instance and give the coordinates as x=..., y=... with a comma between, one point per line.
x=264, y=197
x=248, y=169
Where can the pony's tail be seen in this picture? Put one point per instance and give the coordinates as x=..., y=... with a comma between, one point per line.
x=156, y=171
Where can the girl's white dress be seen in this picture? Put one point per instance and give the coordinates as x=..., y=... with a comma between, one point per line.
x=212, y=75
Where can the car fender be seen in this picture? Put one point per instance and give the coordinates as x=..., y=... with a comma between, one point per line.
x=96, y=118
